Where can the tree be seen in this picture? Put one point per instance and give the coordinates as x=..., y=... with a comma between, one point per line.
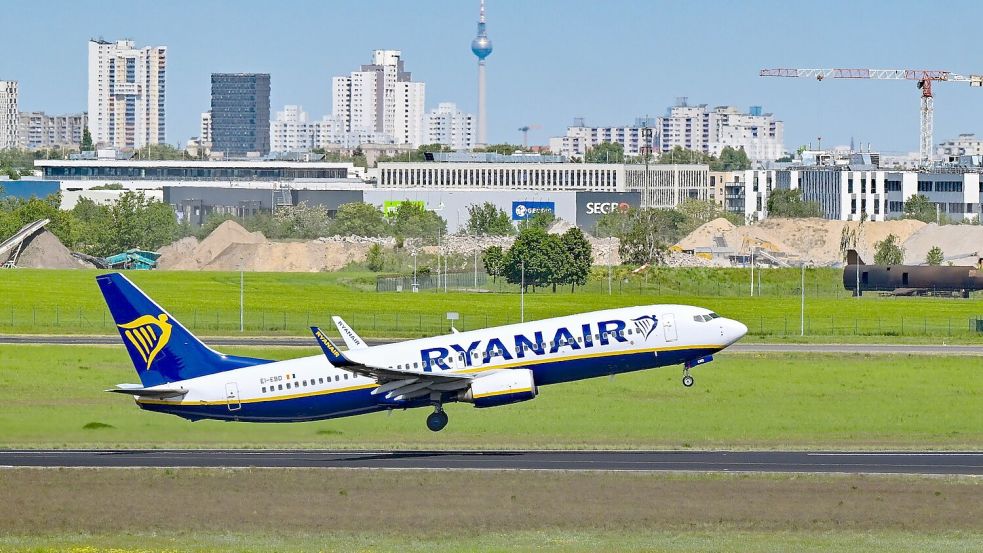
x=611, y=224
x=300, y=221
x=581, y=257
x=374, y=258
x=698, y=212
x=530, y=259
x=541, y=219
x=889, y=251
x=493, y=259
x=606, y=152
x=682, y=155
x=648, y=234
x=921, y=208
x=488, y=220
x=161, y=152
x=789, y=203
x=412, y=220
x=731, y=160
x=935, y=257
x=504, y=149
x=359, y=219
x=86, y=145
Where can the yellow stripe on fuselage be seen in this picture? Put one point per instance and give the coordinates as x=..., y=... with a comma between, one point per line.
x=521, y=363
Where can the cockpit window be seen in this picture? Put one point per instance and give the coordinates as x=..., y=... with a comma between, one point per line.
x=714, y=315
x=698, y=318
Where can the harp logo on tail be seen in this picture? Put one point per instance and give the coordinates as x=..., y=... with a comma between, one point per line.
x=148, y=334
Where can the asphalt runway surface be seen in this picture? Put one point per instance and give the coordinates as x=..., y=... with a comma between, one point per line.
x=932, y=463
x=292, y=341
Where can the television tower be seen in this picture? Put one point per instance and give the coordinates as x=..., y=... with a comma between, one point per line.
x=482, y=47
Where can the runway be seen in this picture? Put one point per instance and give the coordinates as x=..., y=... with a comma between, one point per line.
x=298, y=341
x=930, y=463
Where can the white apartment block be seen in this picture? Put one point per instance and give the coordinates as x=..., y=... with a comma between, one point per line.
x=381, y=99
x=205, y=128
x=743, y=192
x=9, y=116
x=126, y=94
x=39, y=130
x=450, y=126
x=696, y=128
x=291, y=131
x=964, y=145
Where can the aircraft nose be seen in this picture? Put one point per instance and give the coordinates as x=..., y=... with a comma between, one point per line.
x=733, y=331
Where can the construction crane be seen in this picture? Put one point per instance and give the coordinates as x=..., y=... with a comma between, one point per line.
x=923, y=78
x=525, y=133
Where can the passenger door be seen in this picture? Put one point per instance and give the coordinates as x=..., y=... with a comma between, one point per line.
x=669, y=324
x=232, y=396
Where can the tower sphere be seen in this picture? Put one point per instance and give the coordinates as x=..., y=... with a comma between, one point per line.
x=481, y=46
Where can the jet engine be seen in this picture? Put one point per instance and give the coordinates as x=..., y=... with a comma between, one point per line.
x=500, y=388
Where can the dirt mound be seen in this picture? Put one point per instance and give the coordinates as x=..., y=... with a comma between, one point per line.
x=819, y=241
x=312, y=256
x=181, y=257
x=177, y=252
x=704, y=234
x=45, y=251
x=964, y=241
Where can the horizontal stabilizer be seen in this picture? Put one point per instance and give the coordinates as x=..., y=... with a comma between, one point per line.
x=157, y=393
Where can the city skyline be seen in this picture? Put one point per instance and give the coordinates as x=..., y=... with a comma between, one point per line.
x=553, y=61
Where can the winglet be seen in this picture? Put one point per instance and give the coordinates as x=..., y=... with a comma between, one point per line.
x=334, y=355
x=352, y=340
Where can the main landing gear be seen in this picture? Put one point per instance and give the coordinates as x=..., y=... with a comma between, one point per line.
x=687, y=379
x=437, y=420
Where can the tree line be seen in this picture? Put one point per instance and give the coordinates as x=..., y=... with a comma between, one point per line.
x=538, y=259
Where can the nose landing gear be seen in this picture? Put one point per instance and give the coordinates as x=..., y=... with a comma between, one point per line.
x=437, y=420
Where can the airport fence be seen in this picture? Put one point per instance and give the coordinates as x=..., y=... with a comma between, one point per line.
x=77, y=320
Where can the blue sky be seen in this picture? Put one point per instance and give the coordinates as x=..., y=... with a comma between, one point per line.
x=606, y=61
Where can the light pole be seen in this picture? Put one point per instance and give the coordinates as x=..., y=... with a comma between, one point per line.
x=416, y=286
x=802, y=307
x=752, y=270
x=522, y=292
x=242, y=307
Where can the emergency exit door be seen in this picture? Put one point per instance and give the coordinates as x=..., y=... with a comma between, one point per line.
x=669, y=324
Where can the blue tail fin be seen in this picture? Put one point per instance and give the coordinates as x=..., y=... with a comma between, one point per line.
x=161, y=348
x=331, y=351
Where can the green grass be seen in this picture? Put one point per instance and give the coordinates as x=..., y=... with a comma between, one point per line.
x=40, y=301
x=52, y=393
x=715, y=540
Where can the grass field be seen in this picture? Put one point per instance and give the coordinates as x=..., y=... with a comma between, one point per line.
x=82, y=510
x=39, y=301
x=53, y=398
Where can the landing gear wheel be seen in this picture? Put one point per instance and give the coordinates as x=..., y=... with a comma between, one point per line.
x=437, y=420
x=687, y=380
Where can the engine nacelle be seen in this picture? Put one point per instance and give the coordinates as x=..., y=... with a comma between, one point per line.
x=500, y=388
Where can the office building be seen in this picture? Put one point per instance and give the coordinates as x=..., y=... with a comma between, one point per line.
x=451, y=127
x=9, y=116
x=381, y=100
x=126, y=94
x=37, y=130
x=240, y=114
x=964, y=145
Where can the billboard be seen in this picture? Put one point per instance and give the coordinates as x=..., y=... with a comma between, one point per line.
x=389, y=207
x=525, y=209
x=591, y=206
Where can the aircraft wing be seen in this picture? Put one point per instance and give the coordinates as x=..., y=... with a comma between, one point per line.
x=397, y=384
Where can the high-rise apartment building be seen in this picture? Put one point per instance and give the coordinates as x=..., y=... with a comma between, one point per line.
x=36, y=129
x=450, y=126
x=205, y=127
x=126, y=94
x=381, y=99
x=292, y=131
x=240, y=114
x=8, y=114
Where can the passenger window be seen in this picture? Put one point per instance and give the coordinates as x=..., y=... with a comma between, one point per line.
x=337, y=378
x=320, y=381
x=346, y=376
x=288, y=385
x=416, y=365
x=264, y=389
x=280, y=386
x=305, y=383
x=580, y=338
x=629, y=331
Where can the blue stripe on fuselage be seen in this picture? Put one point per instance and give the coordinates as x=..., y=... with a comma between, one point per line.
x=331, y=404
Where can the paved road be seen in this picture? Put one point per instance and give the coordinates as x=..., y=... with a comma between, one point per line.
x=287, y=341
x=701, y=461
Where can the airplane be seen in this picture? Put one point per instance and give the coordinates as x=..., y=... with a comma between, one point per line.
x=490, y=367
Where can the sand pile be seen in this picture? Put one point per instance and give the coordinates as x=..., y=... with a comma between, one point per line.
x=955, y=240
x=45, y=251
x=816, y=240
x=230, y=247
